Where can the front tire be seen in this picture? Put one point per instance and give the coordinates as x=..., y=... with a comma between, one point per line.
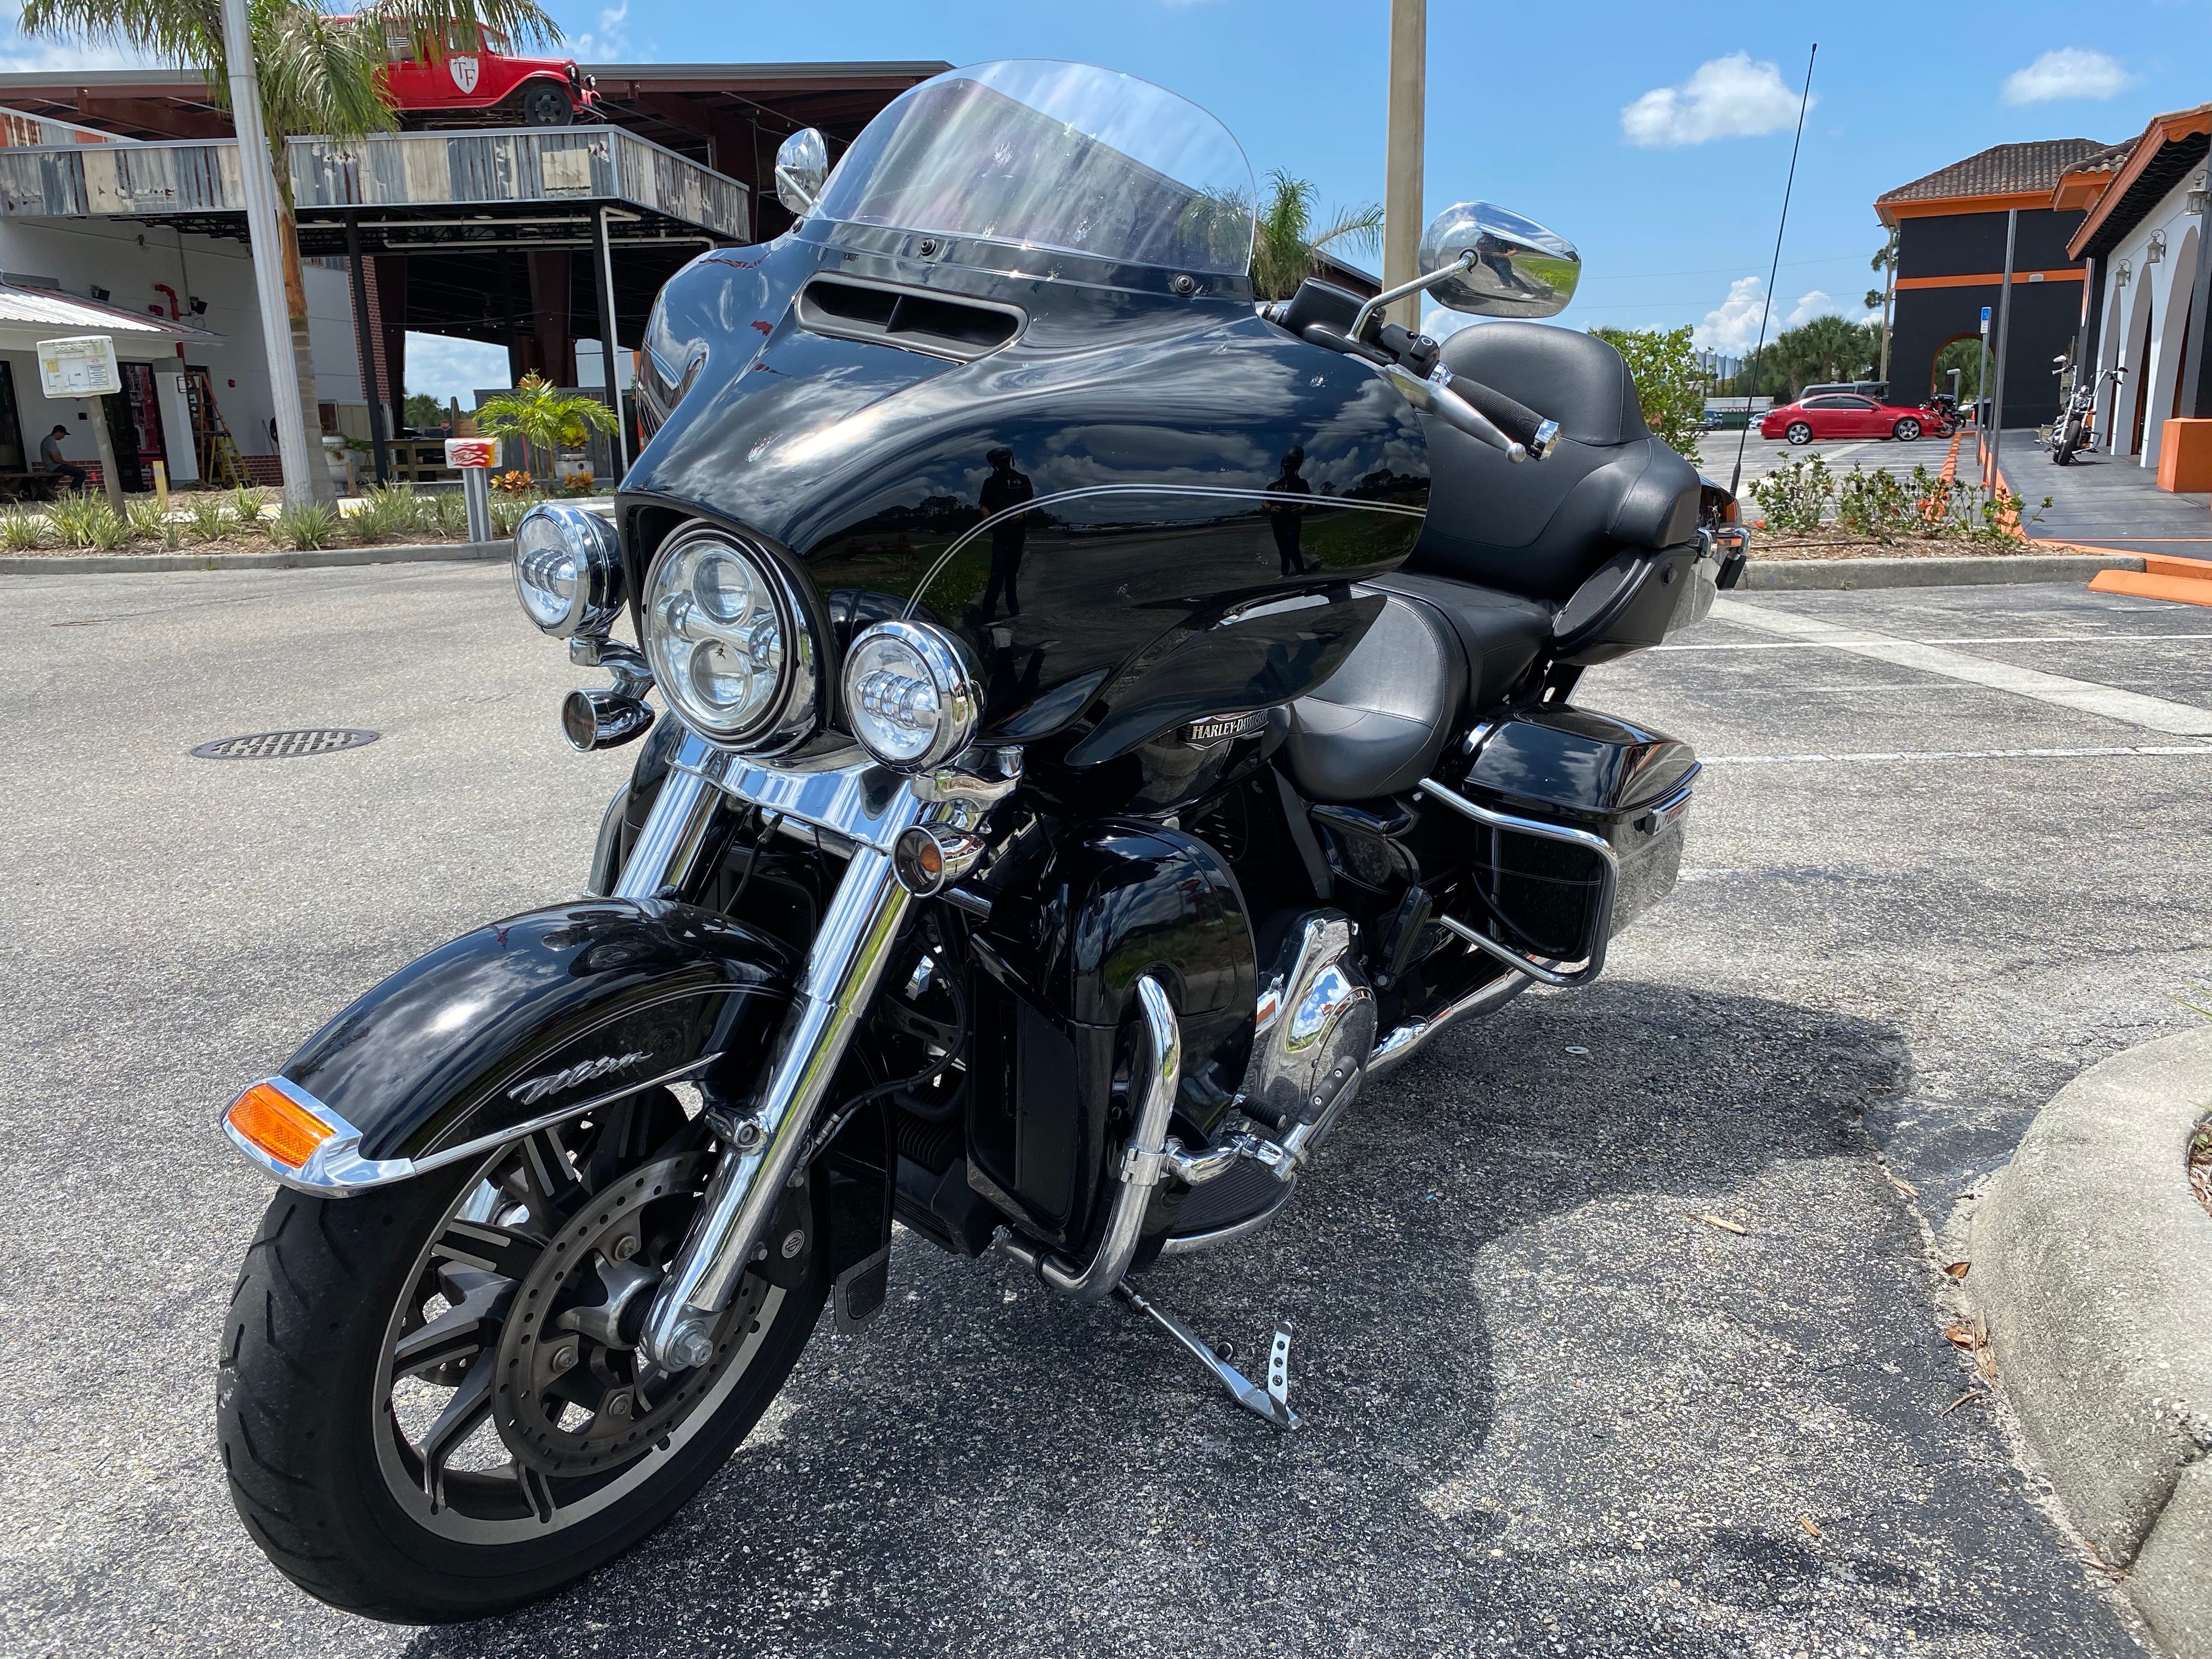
x=1906, y=431
x=544, y=105
x=314, y=1411
x=1800, y=433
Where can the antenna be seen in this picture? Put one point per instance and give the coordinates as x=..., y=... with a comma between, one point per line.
x=1774, y=271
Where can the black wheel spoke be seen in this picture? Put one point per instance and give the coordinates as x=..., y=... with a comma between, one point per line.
x=469, y=1406
x=495, y=1249
x=546, y=1181
x=537, y=1491
x=470, y=1327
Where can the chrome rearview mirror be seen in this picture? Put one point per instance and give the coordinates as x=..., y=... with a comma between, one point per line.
x=1499, y=264
x=802, y=167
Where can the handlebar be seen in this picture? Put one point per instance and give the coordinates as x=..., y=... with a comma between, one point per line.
x=1432, y=397
x=1515, y=419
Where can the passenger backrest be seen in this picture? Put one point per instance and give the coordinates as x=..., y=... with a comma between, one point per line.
x=1541, y=528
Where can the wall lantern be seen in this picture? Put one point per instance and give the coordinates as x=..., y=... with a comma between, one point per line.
x=2156, y=251
x=2194, y=201
x=2120, y=274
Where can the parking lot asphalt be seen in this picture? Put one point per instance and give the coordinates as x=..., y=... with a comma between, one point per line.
x=1550, y=1410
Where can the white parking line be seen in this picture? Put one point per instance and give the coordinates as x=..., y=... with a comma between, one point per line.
x=1962, y=639
x=2156, y=714
x=1961, y=754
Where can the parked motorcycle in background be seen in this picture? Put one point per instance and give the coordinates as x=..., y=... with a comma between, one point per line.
x=1105, y=726
x=2074, y=432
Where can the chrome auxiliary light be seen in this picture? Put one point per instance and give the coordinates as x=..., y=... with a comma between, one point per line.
x=567, y=570
x=909, y=697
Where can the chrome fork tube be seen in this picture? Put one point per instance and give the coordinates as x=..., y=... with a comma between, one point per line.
x=677, y=827
x=848, y=959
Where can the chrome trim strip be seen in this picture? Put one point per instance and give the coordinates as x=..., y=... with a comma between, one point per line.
x=338, y=1170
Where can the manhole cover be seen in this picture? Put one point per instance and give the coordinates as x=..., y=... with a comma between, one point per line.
x=285, y=745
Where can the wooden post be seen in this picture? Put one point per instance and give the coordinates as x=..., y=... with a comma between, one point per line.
x=1401, y=188
x=108, y=479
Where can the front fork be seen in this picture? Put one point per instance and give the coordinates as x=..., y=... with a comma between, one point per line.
x=765, y=1143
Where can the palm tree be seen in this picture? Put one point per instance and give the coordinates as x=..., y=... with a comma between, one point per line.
x=1286, y=250
x=1885, y=261
x=544, y=417
x=319, y=74
x=1825, y=349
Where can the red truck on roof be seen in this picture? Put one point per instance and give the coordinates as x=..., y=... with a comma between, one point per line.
x=479, y=82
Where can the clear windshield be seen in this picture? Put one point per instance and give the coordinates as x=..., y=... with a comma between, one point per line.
x=1053, y=155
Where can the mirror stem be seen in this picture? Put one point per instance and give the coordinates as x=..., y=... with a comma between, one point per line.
x=1391, y=296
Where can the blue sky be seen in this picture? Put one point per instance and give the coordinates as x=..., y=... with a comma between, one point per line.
x=1655, y=138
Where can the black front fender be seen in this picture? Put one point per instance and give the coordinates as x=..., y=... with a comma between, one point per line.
x=531, y=1018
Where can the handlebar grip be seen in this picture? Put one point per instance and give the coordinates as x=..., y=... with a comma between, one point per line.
x=1430, y=394
x=1518, y=421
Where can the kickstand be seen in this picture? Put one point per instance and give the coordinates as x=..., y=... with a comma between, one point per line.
x=1272, y=1402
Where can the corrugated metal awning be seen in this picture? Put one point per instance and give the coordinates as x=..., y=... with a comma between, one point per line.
x=28, y=315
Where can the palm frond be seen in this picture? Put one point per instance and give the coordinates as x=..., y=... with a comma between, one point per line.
x=439, y=26
x=1360, y=226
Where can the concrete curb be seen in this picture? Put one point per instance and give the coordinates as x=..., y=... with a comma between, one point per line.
x=321, y=558
x=2092, y=1270
x=1804, y=575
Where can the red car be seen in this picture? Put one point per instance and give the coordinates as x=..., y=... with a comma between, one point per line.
x=1847, y=414
x=473, y=84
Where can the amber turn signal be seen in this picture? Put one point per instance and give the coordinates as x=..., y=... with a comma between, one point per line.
x=268, y=1118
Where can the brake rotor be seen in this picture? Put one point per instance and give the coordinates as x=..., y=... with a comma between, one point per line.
x=574, y=1396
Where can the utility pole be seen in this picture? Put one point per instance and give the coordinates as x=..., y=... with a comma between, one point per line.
x=258, y=181
x=2004, y=334
x=1401, y=188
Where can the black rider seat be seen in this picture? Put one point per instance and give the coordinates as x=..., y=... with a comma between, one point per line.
x=1439, y=651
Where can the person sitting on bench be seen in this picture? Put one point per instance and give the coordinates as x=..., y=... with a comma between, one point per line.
x=50, y=451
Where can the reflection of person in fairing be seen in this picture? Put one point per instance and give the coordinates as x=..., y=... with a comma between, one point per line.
x=1004, y=487
x=1285, y=517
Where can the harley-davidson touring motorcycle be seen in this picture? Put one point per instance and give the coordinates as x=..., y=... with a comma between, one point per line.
x=1105, y=726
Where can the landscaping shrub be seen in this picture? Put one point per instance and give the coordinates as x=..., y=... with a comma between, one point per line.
x=249, y=502
x=506, y=512
x=211, y=518
x=150, y=522
x=71, y=516
x=1796, y=496
x=448, y=514
x=387, y=511
x=300, y=528
x=21, y=530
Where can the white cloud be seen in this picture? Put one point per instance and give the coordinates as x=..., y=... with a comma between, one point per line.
x=1729, y=97
x=1439, y=324
x=1732, y=327
x=606, y=41
x=448, y=368
x=1809, y=306
x=2069, y=72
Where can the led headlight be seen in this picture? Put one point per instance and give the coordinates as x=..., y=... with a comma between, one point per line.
x=567, y=570
x=726, y=638
x=909, y=695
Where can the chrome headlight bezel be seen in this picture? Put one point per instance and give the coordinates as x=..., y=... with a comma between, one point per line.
x=792, y=711
x=550, y=534
x=941, y=665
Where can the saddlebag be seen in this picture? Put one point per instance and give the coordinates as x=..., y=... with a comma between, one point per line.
x=1586, y=771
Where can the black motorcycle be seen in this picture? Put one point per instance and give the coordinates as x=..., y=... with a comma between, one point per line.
x=1107, y=724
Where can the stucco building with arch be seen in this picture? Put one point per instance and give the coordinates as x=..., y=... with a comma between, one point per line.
x=2142, y=241
x=1952, y=227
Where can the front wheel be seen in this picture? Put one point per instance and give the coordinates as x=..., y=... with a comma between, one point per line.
x=544, y=105
x=1799, y=434
x=432, y=1405
x=1906, y=430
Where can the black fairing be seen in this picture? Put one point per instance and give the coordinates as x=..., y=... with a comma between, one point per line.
x=431, y=1057
x=1137, y=434
x=1073, y=930
x=1542, y=529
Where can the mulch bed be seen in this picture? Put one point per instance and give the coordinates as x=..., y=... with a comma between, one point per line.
x=227, y=545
